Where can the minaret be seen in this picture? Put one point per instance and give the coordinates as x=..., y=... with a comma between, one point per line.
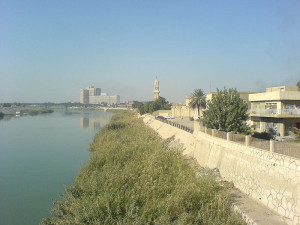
x=156, y=89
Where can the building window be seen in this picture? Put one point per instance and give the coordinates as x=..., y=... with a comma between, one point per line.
x=271, y=108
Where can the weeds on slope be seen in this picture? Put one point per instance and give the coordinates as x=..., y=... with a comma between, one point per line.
x=134, y=178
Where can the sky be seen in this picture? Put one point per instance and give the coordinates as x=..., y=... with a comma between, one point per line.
x=51, y=49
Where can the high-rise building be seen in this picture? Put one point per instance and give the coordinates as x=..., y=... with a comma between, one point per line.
x=156, y=89
x=94, y=91
x=84, y=96
x=92, y=95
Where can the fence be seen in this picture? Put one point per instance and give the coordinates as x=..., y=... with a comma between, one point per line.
x=182, y=127
x=238, y=138
x=284, y=148
x=260, y=143
x=208, y=131
x=220, y=134
x=280, y=147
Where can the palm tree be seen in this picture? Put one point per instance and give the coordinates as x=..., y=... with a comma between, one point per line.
x=198, y=100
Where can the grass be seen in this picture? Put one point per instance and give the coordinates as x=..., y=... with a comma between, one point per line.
x=132, y=177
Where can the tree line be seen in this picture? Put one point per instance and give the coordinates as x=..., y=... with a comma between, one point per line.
x=149, y=107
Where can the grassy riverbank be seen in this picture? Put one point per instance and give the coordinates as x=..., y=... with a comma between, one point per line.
x=134, y=178
x=36, y=111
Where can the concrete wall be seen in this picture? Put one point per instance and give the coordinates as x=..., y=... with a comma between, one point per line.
x=270, y=178
x=179, y=111
x=162, y=113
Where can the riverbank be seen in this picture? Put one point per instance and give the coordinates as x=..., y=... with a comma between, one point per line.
x=132, y=177
x=19, y=110
x=35, y=111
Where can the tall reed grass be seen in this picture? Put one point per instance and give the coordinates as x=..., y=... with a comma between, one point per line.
x=133, y=177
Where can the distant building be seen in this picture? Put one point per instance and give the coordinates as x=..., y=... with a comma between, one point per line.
x=243, y=95
x=276, y=111
x=180, y=110
x=105, y=99
x=84, y=96
x=185, y=111
x=156, y=89
x=92, y=95
x=94, y=91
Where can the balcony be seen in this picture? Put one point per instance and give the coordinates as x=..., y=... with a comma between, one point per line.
x=280, y=113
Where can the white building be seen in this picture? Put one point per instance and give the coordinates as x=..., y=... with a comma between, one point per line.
x=105, y=99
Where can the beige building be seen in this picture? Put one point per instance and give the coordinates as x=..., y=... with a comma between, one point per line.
x=180, y=110
x=243, y=95
x=84, y=96
x=277, y=110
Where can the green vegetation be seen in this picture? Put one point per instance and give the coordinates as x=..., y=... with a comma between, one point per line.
x=297, y=134
x=227, y=112
x=36, y=111
x=134, y=178
x=298, y=84
x=150, y=107
x=198, y=100
x=1, y=115
x=262, y=135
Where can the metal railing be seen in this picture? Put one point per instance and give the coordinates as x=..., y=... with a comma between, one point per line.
x=275, y=111
x=240, y=138
x=208, y=131
x=182, y=127
x=280, y=147
x=260, y=143
x=285, y=148
x=220, y=134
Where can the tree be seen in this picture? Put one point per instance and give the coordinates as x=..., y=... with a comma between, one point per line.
x=161, y=103
x=137, y=104
x=298, y=84
x=151, y=106
x=226, y=111
x=198, y=100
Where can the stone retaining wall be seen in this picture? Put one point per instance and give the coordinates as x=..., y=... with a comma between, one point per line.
x=270, y=178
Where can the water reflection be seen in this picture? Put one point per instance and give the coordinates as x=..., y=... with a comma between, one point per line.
x=35, y=153
x=94, y=123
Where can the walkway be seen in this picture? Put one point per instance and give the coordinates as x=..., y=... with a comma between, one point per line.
x=185, y=122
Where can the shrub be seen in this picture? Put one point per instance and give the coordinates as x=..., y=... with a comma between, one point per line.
x=262, y=135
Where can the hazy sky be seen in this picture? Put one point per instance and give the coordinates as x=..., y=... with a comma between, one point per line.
x=50, y=49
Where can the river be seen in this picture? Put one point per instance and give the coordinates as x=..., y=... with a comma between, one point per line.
x=39, y=157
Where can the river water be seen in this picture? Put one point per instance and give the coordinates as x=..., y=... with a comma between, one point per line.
x=39, y=157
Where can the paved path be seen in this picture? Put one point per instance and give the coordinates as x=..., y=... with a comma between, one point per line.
x=185, y=122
